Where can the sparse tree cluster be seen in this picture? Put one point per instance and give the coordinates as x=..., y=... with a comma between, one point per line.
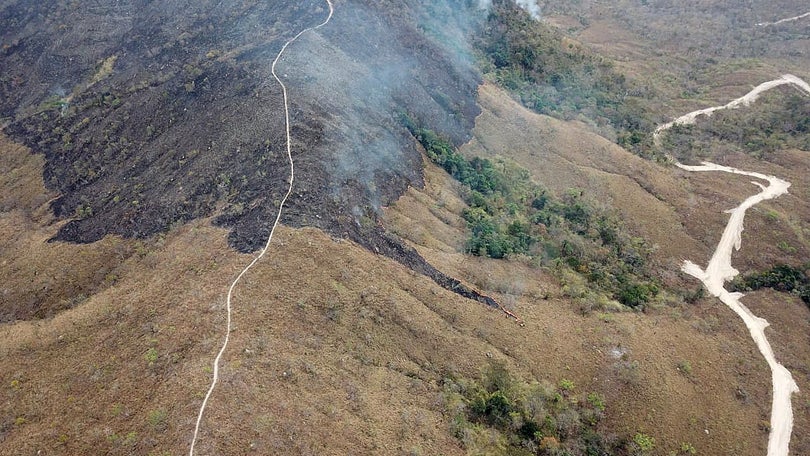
x=503, y=415
x=509, y=215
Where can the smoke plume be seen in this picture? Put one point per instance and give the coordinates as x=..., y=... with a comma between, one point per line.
x=530, y=6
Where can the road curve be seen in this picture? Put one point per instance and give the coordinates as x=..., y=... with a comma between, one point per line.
x=743, y=101
x=719, y=269
x=261, y=254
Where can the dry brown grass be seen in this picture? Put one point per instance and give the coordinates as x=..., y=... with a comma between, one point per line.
x=80, y=382
x=41, y=279
x=728, y=386
x=644, y=387
x=336, y=350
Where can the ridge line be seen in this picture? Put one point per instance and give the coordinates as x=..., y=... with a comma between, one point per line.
x=261, y=254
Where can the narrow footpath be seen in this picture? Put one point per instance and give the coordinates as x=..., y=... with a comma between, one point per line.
x=261, y=254
x=782, y=21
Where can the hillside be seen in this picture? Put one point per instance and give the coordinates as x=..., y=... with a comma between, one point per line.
x=142, y=164
x=199, y=133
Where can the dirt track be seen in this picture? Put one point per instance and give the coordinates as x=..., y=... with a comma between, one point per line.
x=719, y=269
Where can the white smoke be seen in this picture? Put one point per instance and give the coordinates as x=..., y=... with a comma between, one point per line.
x=529, y=5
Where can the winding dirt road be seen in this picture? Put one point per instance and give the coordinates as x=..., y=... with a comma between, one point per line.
x=719, y=269
x=261, y=254
x=743, y=101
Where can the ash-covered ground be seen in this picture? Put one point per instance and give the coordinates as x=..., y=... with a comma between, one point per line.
x=151, y=114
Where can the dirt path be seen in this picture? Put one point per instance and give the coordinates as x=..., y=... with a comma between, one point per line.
x=782, y=21
x=261, y=254
x=719, y=269
x=745, y=100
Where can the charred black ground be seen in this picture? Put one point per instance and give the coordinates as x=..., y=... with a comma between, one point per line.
x=153, y=114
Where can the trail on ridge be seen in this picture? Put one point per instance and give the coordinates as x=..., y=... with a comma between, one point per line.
x=782, y=21
x=719, y=269
x=215, y=377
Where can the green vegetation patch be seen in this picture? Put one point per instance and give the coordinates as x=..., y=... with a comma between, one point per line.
x=555, y=76
x=778, y=120
x=781, y=277
x=503, y=415
x=510, y=215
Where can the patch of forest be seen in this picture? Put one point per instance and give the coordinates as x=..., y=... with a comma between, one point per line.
x=782, y=277
x=511, y=216
x=500, y=414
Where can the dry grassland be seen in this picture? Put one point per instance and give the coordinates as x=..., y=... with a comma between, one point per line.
x=336, y=350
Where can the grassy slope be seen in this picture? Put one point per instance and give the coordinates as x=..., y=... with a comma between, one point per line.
x=682, y=214
x=80, y=382
x=686, y=223
x=364, y=342
x=338, y=350
x=566, y=155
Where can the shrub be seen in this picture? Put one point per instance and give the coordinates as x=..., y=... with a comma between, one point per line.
x=685, y=367
x=151, y=355
x=157, y=419
x=687, y=448
x=597, y=401
x=518, y=416
x=644, y=442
